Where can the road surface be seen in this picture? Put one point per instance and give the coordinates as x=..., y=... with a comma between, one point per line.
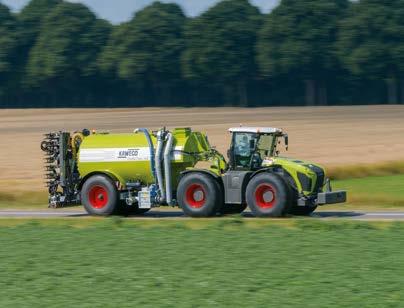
x=158, y=214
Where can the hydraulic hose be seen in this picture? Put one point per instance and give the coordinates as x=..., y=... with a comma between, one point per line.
x=158, y=163
x=151, y=148
x=167, y=167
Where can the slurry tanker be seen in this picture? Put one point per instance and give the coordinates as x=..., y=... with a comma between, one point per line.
x=108, y=173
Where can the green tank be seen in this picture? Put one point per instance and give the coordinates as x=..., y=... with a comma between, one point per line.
x=127, y=157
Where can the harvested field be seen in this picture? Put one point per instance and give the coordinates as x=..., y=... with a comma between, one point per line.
x=329, y=135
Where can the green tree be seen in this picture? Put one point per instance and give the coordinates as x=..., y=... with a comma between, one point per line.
x=220, y=47
x=8, y=42
x=64, y=56
x=297, y=40
x=146, y=50
x=30, y=19
x=371, y=43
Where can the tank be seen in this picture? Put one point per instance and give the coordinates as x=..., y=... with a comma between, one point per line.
x=127, y=157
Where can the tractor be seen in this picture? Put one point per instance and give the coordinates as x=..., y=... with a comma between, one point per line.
x=136, y=172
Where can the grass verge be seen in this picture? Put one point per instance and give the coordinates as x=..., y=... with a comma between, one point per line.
x=121, y=263
x=372, y=185
x=374, y=191
x=366, y=170
x=371, y=192
x=23, y=200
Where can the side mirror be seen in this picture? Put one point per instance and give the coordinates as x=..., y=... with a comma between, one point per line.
x=286, y=141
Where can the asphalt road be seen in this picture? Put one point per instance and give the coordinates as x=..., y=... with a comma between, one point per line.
x=158, y=214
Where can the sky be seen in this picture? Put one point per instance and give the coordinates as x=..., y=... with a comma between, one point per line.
x=118, y=11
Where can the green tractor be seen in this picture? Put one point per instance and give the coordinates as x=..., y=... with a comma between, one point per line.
x=146, y=169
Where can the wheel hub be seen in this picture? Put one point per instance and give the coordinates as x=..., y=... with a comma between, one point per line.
x=98, y=197
x=265, y=196
x=198, y=195
x=195, y=196
x=268, y=196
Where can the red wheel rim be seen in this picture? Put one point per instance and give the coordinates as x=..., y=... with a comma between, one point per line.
x=98, y=197
x=265, y=196
x=195, y=195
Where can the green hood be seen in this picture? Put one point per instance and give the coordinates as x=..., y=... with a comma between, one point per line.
x=309, y=177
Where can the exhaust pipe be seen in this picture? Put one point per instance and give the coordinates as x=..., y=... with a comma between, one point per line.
x=167, y=168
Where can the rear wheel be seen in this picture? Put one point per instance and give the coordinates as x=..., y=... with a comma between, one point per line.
x=267, y=195
x=99, y=195
x=199, y=195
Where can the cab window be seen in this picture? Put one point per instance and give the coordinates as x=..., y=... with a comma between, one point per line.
x=243, y=147
x=265, y=146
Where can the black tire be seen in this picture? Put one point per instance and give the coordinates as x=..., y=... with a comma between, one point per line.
x=302, y=210
x=268, y=195
x=233, y=208
x=199, y=195
x=99, y=195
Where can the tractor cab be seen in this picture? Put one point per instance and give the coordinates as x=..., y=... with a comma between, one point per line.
x=251, y=146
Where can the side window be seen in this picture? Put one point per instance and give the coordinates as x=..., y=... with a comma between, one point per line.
x=242, y=149
x=265, y=146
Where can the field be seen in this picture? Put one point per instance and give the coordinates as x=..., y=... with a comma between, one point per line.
x=225, y=262
x=115, y=263
x=349, y=141
x=333, y=136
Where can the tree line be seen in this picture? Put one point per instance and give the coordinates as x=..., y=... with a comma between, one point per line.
x=55, y=53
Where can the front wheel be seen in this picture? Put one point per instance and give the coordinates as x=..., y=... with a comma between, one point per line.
x=267, y=195
x=199, y=195
x=99, y=195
